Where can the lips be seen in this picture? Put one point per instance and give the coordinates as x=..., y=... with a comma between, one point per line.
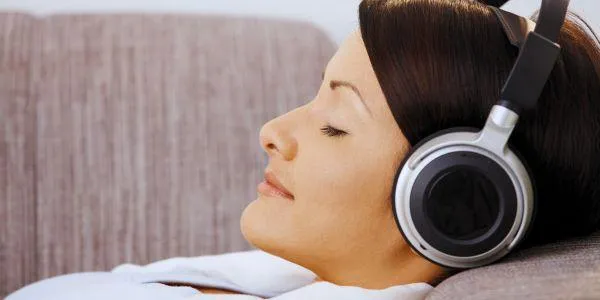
x=277, y=186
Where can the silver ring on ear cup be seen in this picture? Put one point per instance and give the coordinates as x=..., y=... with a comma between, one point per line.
x=487, y=151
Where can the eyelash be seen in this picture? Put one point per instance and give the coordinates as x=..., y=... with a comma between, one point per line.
x=333, y=132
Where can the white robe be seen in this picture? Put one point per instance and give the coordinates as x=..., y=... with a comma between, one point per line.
x=256, y=274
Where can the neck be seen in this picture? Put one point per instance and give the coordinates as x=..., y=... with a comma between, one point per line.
x=382, y=271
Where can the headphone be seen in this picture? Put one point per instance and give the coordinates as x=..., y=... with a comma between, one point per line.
x=462, y=197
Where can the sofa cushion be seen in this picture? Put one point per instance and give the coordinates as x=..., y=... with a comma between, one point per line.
x=564, y=270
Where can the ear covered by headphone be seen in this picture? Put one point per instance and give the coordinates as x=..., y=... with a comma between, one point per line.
x=462, y=198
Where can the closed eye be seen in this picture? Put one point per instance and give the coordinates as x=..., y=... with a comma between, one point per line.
x=332, y=131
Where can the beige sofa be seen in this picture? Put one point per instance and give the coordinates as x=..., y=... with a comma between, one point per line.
x=134, y=138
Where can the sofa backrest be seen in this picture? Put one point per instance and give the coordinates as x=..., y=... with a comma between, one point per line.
x=17, y=146
x=565, y=270
x=134, y=138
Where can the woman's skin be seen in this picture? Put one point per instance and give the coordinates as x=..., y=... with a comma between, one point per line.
x=339, y=223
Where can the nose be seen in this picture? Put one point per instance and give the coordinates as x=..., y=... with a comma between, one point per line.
x=277, y=139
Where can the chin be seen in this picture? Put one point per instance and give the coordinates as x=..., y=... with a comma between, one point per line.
x=254, y=226
x=246, y=224
x=265, y=231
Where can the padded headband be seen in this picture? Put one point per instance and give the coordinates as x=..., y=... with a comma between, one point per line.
x=538, y=53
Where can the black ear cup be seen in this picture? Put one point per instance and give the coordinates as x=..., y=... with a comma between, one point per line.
x=463, y=203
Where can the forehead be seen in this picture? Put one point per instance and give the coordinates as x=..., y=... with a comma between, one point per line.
x=351, y=63
x=351, y=57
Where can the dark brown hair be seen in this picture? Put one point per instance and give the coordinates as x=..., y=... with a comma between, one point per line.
x=442, y=64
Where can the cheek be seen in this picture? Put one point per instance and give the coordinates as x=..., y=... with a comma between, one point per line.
x=354, y=169
x=343, y=188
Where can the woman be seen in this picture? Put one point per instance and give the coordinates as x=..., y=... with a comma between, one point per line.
x=438, y=65
x=414, y=68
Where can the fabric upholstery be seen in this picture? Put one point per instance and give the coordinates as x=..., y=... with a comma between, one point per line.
x=565, y=270
x=17, y=174
x=134, y=138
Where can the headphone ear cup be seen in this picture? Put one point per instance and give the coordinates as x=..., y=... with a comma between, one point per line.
x=462, y=204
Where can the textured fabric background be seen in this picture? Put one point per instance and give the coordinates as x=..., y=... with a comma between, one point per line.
x=17, y=143
x=134, y=138
x=565, y=270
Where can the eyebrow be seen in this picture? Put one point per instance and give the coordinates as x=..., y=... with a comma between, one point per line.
x=333, y=84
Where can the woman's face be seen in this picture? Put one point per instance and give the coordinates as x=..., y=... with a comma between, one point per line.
x=340, y=215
